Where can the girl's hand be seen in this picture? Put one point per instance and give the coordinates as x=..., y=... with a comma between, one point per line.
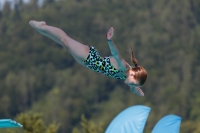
x=110, y=33
x=137, y=90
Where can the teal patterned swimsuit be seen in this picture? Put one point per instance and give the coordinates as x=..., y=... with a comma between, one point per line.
x=101, y=65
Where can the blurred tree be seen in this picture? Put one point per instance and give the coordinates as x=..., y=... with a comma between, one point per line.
x=6, y=9
x=88, y=126
x=17, y=6
x=33, y=123
x=190, y=127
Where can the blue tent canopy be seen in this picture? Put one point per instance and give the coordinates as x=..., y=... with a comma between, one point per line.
x=131, y=120
x=8, y=123
x=168, y=124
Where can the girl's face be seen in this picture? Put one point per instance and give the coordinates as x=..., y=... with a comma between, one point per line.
x=130, y=80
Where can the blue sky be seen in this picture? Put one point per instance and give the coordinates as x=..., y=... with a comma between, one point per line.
x=13, y=1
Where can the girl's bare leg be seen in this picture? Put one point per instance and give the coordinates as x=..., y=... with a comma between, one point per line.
x=77, y=50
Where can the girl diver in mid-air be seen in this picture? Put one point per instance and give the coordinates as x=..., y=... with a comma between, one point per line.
x=113, y=66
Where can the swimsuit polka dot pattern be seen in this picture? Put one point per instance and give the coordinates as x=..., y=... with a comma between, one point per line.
x=101, y=65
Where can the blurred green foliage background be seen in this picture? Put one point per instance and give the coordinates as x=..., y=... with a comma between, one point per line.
x=39, y=76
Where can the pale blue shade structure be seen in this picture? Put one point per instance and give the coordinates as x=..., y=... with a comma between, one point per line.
x=168, y=124
x=131, y=120
x=8, y=123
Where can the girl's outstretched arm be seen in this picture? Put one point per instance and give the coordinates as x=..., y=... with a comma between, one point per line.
x=114, y=50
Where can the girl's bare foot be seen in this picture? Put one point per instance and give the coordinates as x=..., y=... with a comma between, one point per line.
x=37, y=24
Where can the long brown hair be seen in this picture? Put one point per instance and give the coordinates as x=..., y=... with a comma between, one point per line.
x=140, y=72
